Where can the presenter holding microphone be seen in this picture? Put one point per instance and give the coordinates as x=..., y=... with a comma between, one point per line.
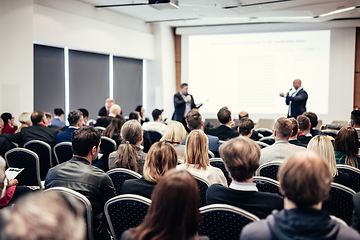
x=296, y=99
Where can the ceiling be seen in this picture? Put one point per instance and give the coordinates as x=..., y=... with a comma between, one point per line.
x=225, y=12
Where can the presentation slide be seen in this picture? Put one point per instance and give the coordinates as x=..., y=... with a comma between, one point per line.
x=249, y=71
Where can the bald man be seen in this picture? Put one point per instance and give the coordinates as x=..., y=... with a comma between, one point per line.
x=296, y=99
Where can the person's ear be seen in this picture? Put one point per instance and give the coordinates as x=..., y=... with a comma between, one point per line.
x=275, y=133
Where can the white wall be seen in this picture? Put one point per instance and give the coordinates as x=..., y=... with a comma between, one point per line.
x=16, y=57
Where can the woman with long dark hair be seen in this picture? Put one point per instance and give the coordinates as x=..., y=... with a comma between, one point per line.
x=347, y=147
x=174, y=210
x=113, y=130
x=140, y=109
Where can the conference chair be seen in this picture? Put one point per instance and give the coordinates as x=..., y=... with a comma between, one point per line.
x=203, y=185
x=265, y=184
x=91, y=122
x=354, y=174
x=340, y=203
x=44, y=152
x=211, y=154
x=63, y=152
x=27, y=159
x=219, y=163
x=100, y=128
x=155, y=136
x=224, y=222
x=266, y=132
x=268, y=140
x=265, y=123
x=269, y=169
x=120, y=175
x=124, y=212
x=107, y=146
x=14, y=145
x=87, y=205
x=262, y=144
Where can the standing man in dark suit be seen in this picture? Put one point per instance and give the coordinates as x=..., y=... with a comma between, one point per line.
x=183, y=103
x=224, y=131
x=296, y=100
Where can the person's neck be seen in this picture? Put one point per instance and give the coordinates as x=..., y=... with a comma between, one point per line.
x=226, y=124
x=279, y=138
x=293, y=137
x=138, y=144
x=57, y=117
x=305, y=131
x=158, y=120
x=87, y=158
x=250, y=180
x=288, y=204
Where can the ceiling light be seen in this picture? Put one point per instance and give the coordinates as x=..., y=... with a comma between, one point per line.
x=337, y=11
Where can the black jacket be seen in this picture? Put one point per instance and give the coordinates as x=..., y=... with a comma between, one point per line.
x=223, y=132
x=79, y=175
x=140, y=187
x=180, y=107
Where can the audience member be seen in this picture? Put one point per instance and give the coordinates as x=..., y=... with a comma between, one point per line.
x=58, y=116
x=194, y=122
x=130, y=150
x=313, y=122
x=355, y=221
x=246, y=127
x=4, y=143
x=255, y=134
x=224, y=131
x=346, y=147
x=39, y=131
x=304, y=135
x=293, y=138
x=157, y=125
x=79, y=175
x=174, y=134
x=305, y=183
x=113, y=130
x=105, y=121
x=25, y=120
x=10, y=191
x=146, y=143
x=75, y=120
x=104, y=111
x=44, y=215
x=174, y=211
x=322, y=145
x=241, y=157
x=85, y=115
x=197, y=160
x=140, y=109
x=281, y=148
x=160, y=159
x=49, y=119
x=355, y=120
x=9, y=124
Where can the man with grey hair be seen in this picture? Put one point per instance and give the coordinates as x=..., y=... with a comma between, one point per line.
x=281, y=148
x=75, y=119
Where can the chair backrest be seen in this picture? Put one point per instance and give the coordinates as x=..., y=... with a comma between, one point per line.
x=219, y=163
x=63, y=152
x=14, y=145
x=354, y=174
x=330, y=132
x=85, y=202
x=154, y=136
x=340, y=122
x=262, y=144
x=107, y=146
x=268, y=140
x=269, y=169
x=265, y=184
x=44, y=152
x=100, y=128
x=90, y=122
x=340, y=203
x=224, y=222
x=124, y=212
x=120, y=175
x=211, y=154
x=203, y=185
x=27, y=159
x=265, y=123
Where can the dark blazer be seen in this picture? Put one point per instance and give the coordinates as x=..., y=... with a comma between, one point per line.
x=37, y=132
x=304, y=139
x=65, y=136
x=355, y=222
x=102, y=112
x=297, y=143
x=259, y=203
x=180, y=106
x=298, y=103
x=140, y=187
x=223, y=132
x=104, y=121
x=4, y=146
x=214, y=144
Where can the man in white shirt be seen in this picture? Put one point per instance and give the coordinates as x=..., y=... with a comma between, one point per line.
x=157, y=125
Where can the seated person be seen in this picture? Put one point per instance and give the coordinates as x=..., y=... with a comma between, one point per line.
x=158, y=124
x=113, y=130
x=140, y=109
x=4, y=143
x=146, y=143
x=197, y=159
x=313, y=123
x=105, y=121
x=44, y=215
x=304, y=190
x=25, y=121
x=85, y=113
x=241, y=157
x=355, y=221
x=246, y=127
x=255, y=134
x=75, y=119
x=346, y=147
x=58, y=116
x=9, y=123
x=160, y=159
x=174, y=210
x=129, y=154
x=295, y=131
x=174, y=134
x=224, y=131
x=104, y=111
x=304, y=135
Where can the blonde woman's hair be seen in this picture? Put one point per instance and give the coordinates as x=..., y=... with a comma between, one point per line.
x=161, y=158
x=25, y=118
x=196, y=151
x=323, y=146
x=174, y=133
